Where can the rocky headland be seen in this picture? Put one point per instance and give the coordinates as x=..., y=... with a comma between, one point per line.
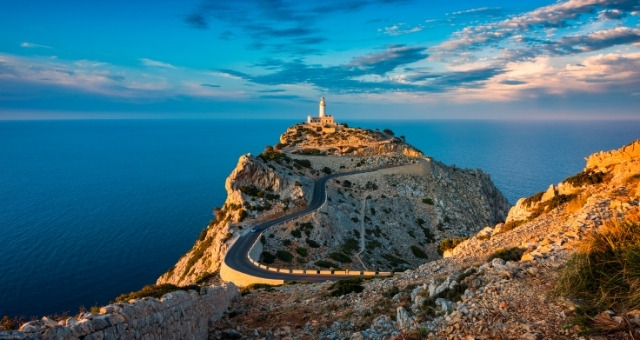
x=561, y=264
x=389, y=220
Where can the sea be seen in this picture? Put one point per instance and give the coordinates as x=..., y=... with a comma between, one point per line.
x=90, y=209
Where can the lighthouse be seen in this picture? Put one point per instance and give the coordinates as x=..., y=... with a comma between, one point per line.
x=322, y=106
x=323, y=119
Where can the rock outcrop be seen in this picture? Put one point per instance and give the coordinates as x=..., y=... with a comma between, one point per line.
x=176, y=315
x=498, y=284
x=388, y=219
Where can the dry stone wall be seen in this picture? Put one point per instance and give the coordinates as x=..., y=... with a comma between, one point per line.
x=177, y=315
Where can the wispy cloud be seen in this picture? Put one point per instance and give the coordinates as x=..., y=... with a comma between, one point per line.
x=400, y=29
x=553, y=16
x=282, y=26
x=32, y=45
x=155, y=63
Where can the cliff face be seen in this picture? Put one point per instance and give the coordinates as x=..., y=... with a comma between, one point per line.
x=609, y=166
x=497, y=284
x=387, y=219
x=258, y=188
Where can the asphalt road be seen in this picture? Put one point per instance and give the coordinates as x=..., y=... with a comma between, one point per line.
x=237, y=256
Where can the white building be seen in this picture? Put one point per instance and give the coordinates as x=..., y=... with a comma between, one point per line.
x=323, y=118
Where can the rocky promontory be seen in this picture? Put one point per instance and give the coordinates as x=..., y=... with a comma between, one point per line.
x=389, y=219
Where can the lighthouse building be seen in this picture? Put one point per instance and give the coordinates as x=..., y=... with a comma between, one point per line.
x=322, y=119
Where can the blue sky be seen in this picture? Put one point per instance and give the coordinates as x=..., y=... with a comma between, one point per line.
x=575, y=59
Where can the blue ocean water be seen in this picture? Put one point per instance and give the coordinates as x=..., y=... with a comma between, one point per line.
x=90, y=209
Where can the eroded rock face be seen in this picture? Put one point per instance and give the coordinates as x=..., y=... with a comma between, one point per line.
x=392, y=217
x=256, y=189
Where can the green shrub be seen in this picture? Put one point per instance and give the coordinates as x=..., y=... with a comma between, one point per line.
x=327, y=170
x=296, y=233
x=586, y=178
x=394, y=261
x=326, y=264
x=605, y=273
x=343, y=287
x=449, y=243
x=533, y=199
x=304, y=163
x=284, y=255
x=286, y=243
x=428, y=235
x=312, y=243
x=428, y=201
x=350, y=246
x=156, y=291
x=419, y=253
x=373, y=244
x=340, y=257
x=267, y=258
x=507, y=254
x=243, y=215
x=302, y=251
x=355, y=219
x=346, y=183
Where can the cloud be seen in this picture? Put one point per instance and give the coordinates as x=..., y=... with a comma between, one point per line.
x=32, y=45
x=400, y=29
x=485, y=11
x=210, y=85
x=282, y=96
x=155, y=63
x=272, y=91
x=386, y=61
x=613, y=14
x=553, y=16
x=595, y=41
x=276, y=25
x=373, y=73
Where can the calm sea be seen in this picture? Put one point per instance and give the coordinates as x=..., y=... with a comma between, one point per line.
x=91, y=209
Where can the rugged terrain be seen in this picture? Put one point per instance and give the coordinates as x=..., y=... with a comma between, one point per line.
x=499, y=284
x=391, y=219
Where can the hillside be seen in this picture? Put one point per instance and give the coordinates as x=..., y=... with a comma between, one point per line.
x=390, y=219
x=510, y=281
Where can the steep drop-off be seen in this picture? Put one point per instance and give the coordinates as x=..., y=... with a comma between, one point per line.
x=389, y=219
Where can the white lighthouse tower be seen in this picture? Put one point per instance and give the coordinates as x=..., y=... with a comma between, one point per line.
x=322, y=108
x=323, y=120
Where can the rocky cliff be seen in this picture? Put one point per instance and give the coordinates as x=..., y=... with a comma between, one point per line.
x=502, y=283
x=390, y=219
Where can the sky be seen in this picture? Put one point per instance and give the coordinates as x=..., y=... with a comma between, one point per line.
x=376, y=59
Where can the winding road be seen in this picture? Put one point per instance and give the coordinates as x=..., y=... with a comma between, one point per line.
x=237, y=257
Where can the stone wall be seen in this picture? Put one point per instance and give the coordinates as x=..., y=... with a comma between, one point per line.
x=177, y=315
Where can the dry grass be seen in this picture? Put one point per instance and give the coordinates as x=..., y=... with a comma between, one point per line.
x=605, y=273
x=577, y=203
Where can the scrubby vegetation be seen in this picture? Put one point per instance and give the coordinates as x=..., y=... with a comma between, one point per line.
x=302, y=251
x=350, y=246
x=327, y=264
x=507, y=254
x=449, y=243
x=8, y=324
x=312, y=243
x=605, y=273
x=586, y=178
x=427, y=200
x=267, y=258
x=270, y=154
x=418, y=252
x=343, y=287
x=156, y=291
x=535, y=198
x=284, y=255
x=340, y=257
